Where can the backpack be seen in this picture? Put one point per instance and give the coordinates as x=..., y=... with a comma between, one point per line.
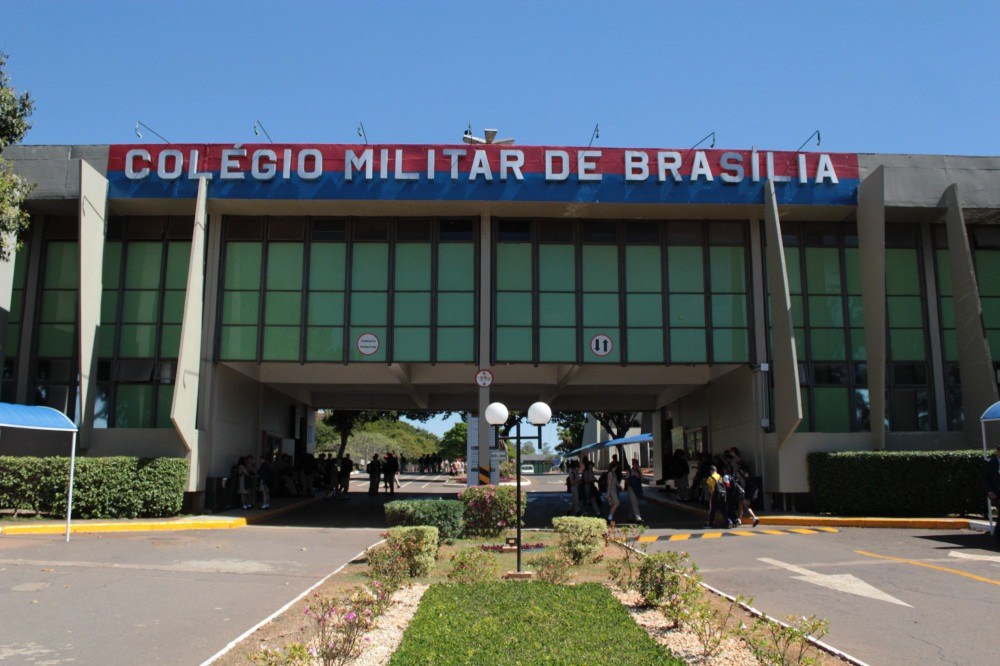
x=738, y=488
x=720, y=490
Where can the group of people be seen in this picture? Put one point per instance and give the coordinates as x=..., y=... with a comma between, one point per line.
x=586, y=488
x=727, y=487
x=384, y=470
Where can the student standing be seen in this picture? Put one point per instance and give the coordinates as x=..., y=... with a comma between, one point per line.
x=374, y=474
x=634, y=483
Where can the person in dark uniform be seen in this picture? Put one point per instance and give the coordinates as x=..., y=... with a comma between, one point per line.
x=374, y=474
x=991, y=483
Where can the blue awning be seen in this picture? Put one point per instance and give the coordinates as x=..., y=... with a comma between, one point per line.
x=34, y=417
x=596, y=446
x=992, y=414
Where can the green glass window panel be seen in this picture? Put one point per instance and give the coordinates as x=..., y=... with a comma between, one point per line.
x=134, y=406
x=62, y=265
x=140, y=307
x=645, y=345
x=688, y=346
x=642, y=268
x=17, y=305
x=238, y=343
x=137, y=341
x=687, y=310
x=730, y=345
x=949, y=340
x=943, y=272
x=173, y=307
x=806, y=424
x=58, y=306
x=901, y=275
x=327, y=266
x=178, y=258
x=988, y=272
x=905, y=312
x=600, y=268
x=513, y=267
x=284, y=266
x=456, y=309
x=55, y=339
x=600, y=309
x=557, y=309
x=729, y=310
x=106, y=341
x=793, y=267
x=513, y=344
x=855, y=311
x=685, y=269
x=455, y=344
x=859, y=352
x=832, y=409
x=411, y=344
x=164, y=400
x=991, y=312
x=413, y=267
x=557, y=345
x=20, y=266
x=243, y=264
x=852, y=264
x=369, y=308
x=798, y=310
x=281, y=343
x=412, y=309
x=142, y=265
x=356, y=333
x=906, y=344
x=826, y=311
x=556, y=268
x=325, y=343
x=727, y=266
x=326, y=308
x=13, y=340
x=823, y=270
x=170, y=340
x=111, y=272
x=456, y=267
x=370, y=267
x=615, y=353
x=800, y=343
x=513, y=309
x=109, y=308
x=993, y=337
x=240, y=307
x=283, y=308
x=828, y=344
x=947, y=312
x=644, y=309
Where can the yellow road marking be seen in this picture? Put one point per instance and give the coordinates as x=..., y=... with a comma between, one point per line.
x=647, y=539
x=774, y=532
x=826, y=529
x=742, y=533
x=802, y=530
x=957, y=572
x=680, y=537
x=711, y=535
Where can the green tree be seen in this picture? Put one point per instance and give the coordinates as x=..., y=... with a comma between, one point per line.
x=570, y=430
x=618, y=424
x=14, y=112
x=453, y=444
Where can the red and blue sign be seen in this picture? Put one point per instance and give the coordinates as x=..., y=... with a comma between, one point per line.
x=481, y=173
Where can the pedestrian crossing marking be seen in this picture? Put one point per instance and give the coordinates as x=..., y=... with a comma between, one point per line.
x=735, y=533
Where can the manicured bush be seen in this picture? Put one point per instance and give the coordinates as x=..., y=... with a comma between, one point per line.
x=416, y=545
x=114, y=487
x=387, y=566
x=903, y=483
x=491, y=510
x=580, y=538
x=446, y=515
x=525, y=623
x=472, y=565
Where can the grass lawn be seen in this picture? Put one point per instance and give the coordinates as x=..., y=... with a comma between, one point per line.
x=525, y=623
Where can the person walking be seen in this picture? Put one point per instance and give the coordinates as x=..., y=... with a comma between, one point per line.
x=590, y=491
x=634, y=484
x=344, y=476
x=716, y=491
x=749, y=494
x=374, y=474
x=573, y=480
x=991, y=483
x=243, y=483
x=614, y=484
x=264, y=482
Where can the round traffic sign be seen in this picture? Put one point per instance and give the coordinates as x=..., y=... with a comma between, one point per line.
x=601, y=345
x=484, y=378
x=368, y=343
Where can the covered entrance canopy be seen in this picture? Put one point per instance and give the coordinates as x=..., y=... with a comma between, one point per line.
x=990, y=415
x=644, y=438
x=29, y=417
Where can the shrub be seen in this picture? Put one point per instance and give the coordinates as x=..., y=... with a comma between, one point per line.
x=387, y=566
x=784, y=643
x=471, y=565
x=670, y=581
x=891, y=483
x=114, y=487
x=446, y=515
x=339, y=625
x=551, y=567
x=580, y=538
x=711, y=625
x=416, y=545
x=490, y=510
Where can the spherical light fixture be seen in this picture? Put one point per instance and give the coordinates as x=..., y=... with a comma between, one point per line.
x=539, y=413
x=497, y=413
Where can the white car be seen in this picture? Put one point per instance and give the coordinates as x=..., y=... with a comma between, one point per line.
x=527, y=469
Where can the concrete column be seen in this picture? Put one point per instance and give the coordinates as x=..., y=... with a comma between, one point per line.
x=32, y=285
x=785, y=368
x=93, y=217
x=934, y=328
x=184, y=410
x=761, y=380
x=979, y=388
x=6, y=291
x=871, y=249
x=485, y=335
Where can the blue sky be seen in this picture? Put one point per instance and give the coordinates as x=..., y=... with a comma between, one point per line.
x=908, y=77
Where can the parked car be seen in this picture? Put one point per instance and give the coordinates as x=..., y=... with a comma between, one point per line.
x=527, y=469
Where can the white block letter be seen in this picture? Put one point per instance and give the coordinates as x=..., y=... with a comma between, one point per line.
x=550, y=157
x=130, y=158
x=317, y=169
x=511, y=160
x=231, y=164
x=161, y=165
x=269, y=168
x=825, y=170
x=732, y=168
x=356, y=162
x=454, y=154
x=668, y=160
x=480, y=166
x=636, y=165
x=586, y=166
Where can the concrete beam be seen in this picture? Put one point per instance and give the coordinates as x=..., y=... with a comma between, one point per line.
x=566, y=373
x=871, y=242
x=402, y=373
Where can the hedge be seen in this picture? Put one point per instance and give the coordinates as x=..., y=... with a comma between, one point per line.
x=446, y=515
x=897, y=483
x=114, y=487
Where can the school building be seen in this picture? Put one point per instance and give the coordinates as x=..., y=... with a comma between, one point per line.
x=202, y=301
